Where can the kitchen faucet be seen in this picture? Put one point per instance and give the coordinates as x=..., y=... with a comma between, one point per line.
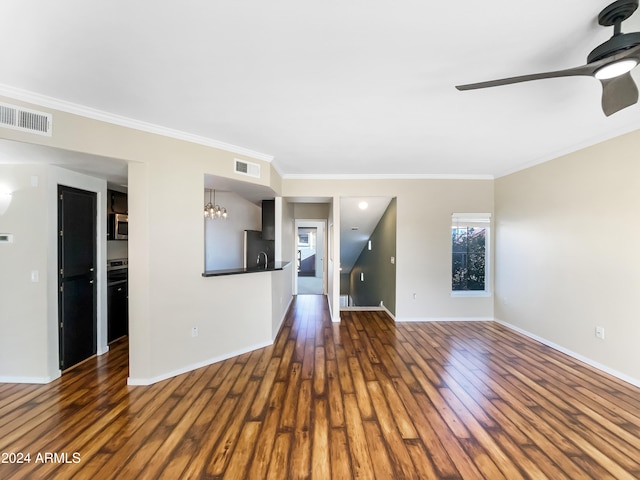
x=266, y=259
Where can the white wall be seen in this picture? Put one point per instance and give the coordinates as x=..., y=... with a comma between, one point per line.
x=29, y=350
x=117, y=249
x=224, y=239
x=24, y=350
x=567, y=258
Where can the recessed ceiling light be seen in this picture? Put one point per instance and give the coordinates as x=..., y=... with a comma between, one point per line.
x=363, y=205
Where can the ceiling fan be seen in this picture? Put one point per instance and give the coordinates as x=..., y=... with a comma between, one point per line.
x=610, y=62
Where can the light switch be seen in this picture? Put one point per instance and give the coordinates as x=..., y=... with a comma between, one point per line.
x=35, y=276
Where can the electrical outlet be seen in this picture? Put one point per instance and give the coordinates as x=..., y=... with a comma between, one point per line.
x=194, y=331
x=600, y=333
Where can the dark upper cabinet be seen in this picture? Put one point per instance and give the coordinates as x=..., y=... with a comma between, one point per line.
x=268, y=219
x=117, y=202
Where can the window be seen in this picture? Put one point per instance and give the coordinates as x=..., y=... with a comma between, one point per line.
x=470, y=253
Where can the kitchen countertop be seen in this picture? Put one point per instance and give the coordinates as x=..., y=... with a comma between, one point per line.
x=238, y=271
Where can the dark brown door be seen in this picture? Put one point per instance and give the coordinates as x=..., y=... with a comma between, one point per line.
x=77, y=286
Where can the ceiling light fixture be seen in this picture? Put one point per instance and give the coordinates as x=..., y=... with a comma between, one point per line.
x=363, y=205
x=615, y=69
x=213, y=210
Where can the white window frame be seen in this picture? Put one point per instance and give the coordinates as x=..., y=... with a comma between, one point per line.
x=482, y=220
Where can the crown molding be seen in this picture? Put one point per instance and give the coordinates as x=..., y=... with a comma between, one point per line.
x=590, y=142
x=388, y=176
x=100, y=115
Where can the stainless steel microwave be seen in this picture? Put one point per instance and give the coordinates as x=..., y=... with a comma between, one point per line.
x=118, y=226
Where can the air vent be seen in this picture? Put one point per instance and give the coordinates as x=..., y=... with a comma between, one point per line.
x=19, y=118
x=247, y=168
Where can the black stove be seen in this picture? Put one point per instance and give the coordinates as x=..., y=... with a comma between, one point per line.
x=117, y=271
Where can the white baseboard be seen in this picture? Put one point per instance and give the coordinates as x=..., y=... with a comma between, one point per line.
x=361, y=309
x=194, y=366
x=284, y=315
x=626, y=378
x=444, y=319
x=102, y=351
x=36, y=380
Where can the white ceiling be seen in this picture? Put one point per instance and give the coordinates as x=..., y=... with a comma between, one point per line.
x=327, y=88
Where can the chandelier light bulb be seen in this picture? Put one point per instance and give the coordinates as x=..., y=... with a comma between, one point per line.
x=213, y=210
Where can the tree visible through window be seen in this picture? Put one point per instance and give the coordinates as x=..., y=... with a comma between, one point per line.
x=468, y=258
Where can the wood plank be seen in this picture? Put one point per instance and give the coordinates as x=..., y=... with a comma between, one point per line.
x=267, y=437
x=340, y=461
x=320, y=454
x=336, y=406
x=366, y=398
x=301, y=448
x=243, y=452
x=360, y=458
x=380, y=456
x=280, y=459
x=401, y=460
x=229, y=439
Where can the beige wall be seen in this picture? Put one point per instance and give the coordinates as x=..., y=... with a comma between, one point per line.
x=565, y=255
x=567, y=252
x=168, y=295
x=423, y=260
x=311, y=211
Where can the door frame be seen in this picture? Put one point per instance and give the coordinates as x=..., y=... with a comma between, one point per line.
x=60, y=176
x=318, y=223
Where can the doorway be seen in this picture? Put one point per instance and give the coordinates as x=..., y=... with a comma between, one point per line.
x=310, y=257
x=368, y=252
x=77, y=305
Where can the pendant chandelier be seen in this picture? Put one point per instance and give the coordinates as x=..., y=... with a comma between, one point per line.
x=213, y=210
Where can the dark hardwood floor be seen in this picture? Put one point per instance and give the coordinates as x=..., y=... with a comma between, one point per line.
x=363, y=399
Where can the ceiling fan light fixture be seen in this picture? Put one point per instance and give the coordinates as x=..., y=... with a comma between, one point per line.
x=615, y=69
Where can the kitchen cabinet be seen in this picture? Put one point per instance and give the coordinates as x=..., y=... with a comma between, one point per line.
x=118, y=311
x=268, y=219
x=117, y=202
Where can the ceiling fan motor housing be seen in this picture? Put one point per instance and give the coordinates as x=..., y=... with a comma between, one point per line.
x=615, y=44
x=614, y=15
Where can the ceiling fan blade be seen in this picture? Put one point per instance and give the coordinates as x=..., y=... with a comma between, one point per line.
x=618, y=93
x=586, y=70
